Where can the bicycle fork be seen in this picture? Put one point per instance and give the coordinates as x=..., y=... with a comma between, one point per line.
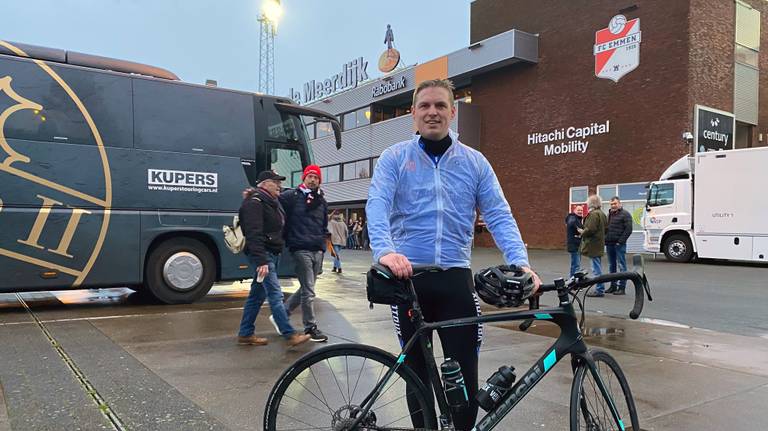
x=587, y=358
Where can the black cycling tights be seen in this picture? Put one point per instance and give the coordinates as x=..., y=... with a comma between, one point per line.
x=446, y=295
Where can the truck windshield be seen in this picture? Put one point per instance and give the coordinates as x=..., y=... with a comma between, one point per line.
x=661, y=194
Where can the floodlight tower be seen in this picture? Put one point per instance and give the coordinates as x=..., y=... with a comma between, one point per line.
x=271, y=11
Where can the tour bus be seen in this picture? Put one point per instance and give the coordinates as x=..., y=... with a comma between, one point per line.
x=114, y=173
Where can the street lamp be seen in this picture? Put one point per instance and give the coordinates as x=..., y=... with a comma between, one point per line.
x=271, y=11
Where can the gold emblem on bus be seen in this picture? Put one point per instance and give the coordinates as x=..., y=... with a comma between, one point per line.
x=32, y=241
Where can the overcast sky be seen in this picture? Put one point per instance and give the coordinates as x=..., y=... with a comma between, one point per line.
x=219, y=40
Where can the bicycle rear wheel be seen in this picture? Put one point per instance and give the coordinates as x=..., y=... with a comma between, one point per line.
x=589, y=409
x=324, y=390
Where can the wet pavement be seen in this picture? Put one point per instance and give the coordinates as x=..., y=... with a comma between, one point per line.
x=108, y=359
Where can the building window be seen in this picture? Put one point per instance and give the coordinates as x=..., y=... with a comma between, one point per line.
x=331, y=173
x=356, y=170
x=323, y=129
x=747, y=26
x=579, y=194
x=373, y=164
x=358, y=118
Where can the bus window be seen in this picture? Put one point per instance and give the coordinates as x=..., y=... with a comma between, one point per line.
x=188, y=119
x=286, y=161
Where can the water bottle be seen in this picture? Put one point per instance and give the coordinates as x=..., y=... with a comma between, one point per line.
x=495, y=387
x=453, y=384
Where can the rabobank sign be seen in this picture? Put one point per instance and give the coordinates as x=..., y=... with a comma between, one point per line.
x=388, y=86
x=571, y=139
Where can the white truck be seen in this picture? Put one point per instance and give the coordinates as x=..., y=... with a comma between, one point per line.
x=712, y=205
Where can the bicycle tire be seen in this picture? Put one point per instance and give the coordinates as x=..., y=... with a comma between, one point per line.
x=589, y=409
x=305, y=390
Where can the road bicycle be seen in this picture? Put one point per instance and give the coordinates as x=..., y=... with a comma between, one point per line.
x=358, y=387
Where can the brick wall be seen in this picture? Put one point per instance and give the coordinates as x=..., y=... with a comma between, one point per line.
x=648, y=108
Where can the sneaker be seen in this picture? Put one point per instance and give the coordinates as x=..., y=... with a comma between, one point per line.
x=611, y=289
x=316, y=335
x=334, y=270
x=338, y=270
x=595, y=294
x=619, y=291
x=296, y=339
x=252, y=340
x=272, y=320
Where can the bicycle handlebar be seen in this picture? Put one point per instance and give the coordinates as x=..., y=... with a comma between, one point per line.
x=639, y=282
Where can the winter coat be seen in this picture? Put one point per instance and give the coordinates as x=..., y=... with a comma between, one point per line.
x=262, y=220
x=339, y=232
x=619, y=227
x=426, y=210
x=573, y=238
x=305, y=225
x=593, y=237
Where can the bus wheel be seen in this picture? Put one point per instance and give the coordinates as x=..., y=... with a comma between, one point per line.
x=678, y=248
x=180, y=271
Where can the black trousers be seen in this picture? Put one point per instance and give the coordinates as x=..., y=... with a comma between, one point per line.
x=446, y=295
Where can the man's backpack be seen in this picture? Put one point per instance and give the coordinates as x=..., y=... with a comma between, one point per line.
x=233, y=236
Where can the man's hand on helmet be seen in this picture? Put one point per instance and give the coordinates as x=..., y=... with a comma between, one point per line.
x=536, y=280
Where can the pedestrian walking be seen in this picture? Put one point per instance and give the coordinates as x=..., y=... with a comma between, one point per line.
x=435, y=227
x=593, y=240
x=306, y=223
x=262, y=220
x=339, y=233
x=573, y=227
x=365, y=237
x=358, y=231
x=619, y=230
x=351, y=243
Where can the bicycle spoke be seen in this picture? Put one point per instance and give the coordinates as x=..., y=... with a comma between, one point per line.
x=325, y=403
x=312, y=372
x=307, y=404
x=362, y=367
x=341, y=391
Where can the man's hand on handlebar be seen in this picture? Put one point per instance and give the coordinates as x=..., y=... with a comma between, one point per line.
x=398, y=264
x=536, y=280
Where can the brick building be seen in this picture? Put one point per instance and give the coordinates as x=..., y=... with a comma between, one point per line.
x=530, y=100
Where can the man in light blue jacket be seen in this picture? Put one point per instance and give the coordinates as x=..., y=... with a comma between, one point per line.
x=421, y=210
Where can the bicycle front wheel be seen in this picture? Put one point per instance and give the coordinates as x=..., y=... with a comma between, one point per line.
x=324, y=390
x=590, y=411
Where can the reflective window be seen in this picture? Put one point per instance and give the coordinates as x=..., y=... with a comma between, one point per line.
x=364, y=116
x=633, y=192
x=350, y=120
x=184, y=118
x=331, y=173
x=661, y=194
x=606, y=193
x=373, y=164
x=579, y=194
x=106, y=97
x=287, y=162
x=311, y=130
x=746, y=56
x=323, y=129
x=355, y=170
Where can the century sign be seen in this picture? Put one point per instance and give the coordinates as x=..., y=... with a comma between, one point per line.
x=571, y=139
x=714, y=129
x=352, y=73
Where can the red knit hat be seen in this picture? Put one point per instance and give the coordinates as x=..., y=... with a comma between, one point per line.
x=312, y=169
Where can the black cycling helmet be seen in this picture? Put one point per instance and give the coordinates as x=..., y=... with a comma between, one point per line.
x=504, y=285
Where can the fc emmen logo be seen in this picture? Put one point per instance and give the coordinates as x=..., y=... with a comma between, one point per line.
x=617, y=48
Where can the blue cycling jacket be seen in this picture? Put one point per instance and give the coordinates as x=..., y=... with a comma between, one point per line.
x=426, y=210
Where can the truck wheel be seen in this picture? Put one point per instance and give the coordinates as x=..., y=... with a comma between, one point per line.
x=678, y=248
x=180, y=271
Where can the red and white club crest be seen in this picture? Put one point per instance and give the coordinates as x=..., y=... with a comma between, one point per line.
x=617, y=48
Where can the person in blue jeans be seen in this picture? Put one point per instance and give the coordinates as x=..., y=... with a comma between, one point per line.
x=262, y=220
x=619, y=230
x=593, y=240
x=339, y=234
x=573, y=228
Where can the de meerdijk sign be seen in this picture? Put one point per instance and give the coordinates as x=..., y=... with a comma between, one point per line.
x=570, y=139
x=352, y=73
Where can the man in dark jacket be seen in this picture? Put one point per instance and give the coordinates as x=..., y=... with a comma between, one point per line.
x=619, y=230
x=306, y=231
x=262, y=219
x=573, y=227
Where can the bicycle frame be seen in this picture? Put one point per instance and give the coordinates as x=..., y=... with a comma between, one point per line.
x=570, y=342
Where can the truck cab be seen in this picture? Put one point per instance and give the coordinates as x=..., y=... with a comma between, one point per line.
x=668, y=219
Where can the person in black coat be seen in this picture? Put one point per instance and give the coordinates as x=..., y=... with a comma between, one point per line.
x=306, y=231
x=573, y=227
x=262, y=219
x=619, y=230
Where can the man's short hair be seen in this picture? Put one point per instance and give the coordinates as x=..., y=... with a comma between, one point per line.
x=616, y=198
x=431, y=83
